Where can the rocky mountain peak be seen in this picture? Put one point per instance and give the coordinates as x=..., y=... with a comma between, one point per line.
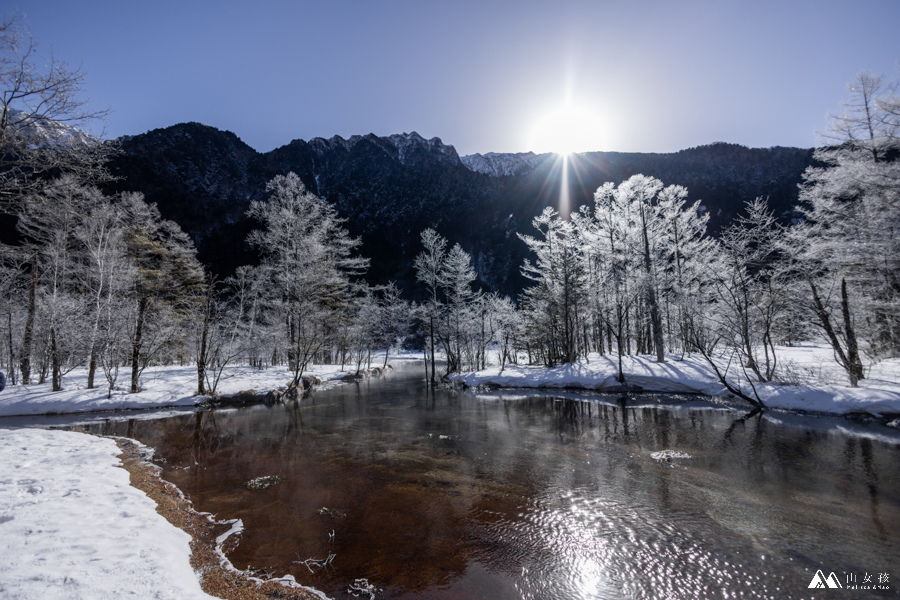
x=402, y=147
x=503, y=164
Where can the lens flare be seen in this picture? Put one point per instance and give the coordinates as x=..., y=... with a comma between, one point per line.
x=567, y=129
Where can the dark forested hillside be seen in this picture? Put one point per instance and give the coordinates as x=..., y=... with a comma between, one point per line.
x=390, y=188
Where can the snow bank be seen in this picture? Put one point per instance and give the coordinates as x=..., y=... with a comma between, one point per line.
x=160, y=387
x=71, y=525
x=816, y=382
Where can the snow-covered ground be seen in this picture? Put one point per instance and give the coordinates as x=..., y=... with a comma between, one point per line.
x=808, y=379
x=72, y=527
x=811, y=380
x=160, y=387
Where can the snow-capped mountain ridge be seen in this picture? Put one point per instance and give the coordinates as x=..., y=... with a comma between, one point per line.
x=503, y=164
x=43, y=133
x=399, y=146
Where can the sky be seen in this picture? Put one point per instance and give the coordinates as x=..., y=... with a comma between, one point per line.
x=484, y=76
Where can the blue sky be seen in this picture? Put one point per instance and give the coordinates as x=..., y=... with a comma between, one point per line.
x=654, y=76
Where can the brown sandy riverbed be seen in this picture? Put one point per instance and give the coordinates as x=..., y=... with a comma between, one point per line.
x=215, y=579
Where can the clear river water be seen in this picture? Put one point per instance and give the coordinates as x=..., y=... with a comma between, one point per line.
x=451, y=494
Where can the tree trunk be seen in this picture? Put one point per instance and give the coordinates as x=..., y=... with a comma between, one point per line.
x=12, y=362
x=204, y=334
x=432, y=349
x=28, y=334
x=619, y=344
x=855, y=367
x=655, y=318
x=92, y=368
x=745, y=331
x=201, y=362
x=54, y=362
x=92, y=363
x=136, y=345
x=850, y=359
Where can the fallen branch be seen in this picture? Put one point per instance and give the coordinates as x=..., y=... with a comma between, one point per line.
x=322, y=563
x=736, y=391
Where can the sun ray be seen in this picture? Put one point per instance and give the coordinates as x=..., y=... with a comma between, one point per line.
x=566, y=130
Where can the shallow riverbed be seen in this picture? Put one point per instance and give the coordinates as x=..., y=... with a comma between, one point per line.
x=443, y=494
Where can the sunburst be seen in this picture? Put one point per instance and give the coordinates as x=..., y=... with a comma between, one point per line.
x=567, y=129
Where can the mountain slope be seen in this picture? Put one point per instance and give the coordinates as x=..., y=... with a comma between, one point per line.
x=390, y=188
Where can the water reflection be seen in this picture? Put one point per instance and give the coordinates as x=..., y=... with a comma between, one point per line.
x=438, y=494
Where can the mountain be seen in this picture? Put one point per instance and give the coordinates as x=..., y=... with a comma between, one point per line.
x=390, y=188
x=38, y=131
x=503, y=164
x=723, y=176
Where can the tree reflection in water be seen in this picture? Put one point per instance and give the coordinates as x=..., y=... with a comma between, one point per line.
x=523, y=494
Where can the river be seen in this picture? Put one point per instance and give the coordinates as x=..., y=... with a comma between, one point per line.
x=452, y=494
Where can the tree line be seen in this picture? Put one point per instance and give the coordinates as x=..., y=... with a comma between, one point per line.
x=103, y=282
x=637, y=273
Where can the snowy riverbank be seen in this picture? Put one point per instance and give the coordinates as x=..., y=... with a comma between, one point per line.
x=71, y=525
x=813, y=381
x=160, y=387
x=810, y=381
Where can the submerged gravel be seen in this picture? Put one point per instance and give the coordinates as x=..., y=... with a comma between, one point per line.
x=215, y=578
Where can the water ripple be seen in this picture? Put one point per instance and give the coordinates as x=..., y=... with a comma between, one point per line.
x=583, y=547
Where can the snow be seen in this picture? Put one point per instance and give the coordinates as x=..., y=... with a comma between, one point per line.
x=498, y=164
x=160, y=387
x=43, y=132
x=71, y=525
x=812, y=380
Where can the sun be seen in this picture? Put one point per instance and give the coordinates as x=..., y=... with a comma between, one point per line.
x=566, y=130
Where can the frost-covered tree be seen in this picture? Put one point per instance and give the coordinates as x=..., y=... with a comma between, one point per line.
x=41, y=109
x=555, y=305
x=750, y=287
x=243, y=314
x=507, y=328
x=610, y=235
x=429, y=266
x=308, y=259
x=103, y=271
x=685, y=252
x=393, y=318
x=626, y=272
x=166, y=281
x=641, y=191
x=457, y=278
x=205, y=338
x=48, y=221
x=847, y=249
x=450, y=315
